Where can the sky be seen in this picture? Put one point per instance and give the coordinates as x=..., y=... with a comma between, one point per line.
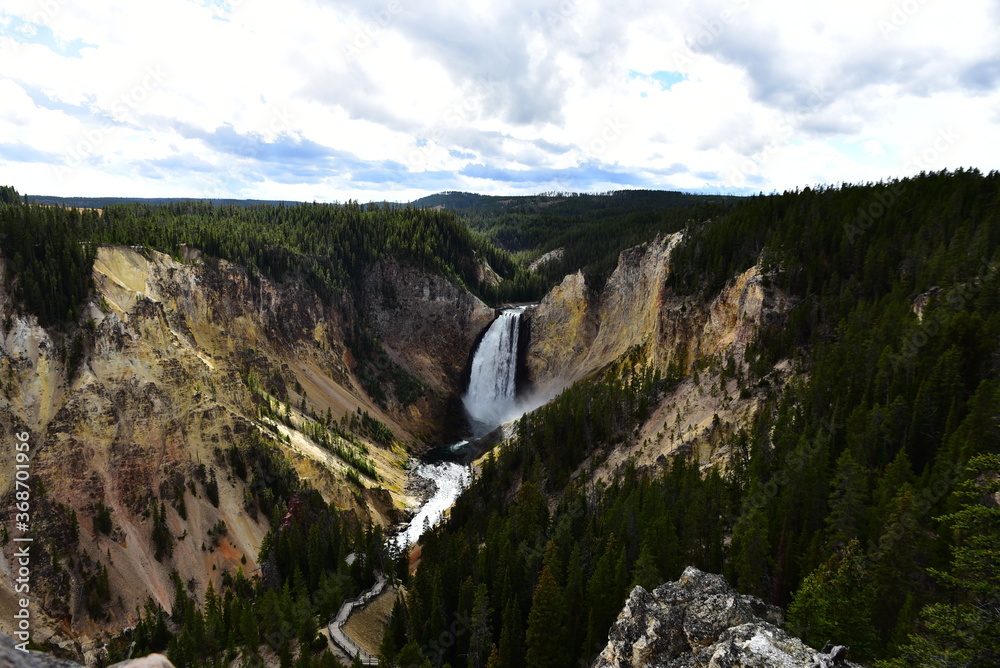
x=315, y=100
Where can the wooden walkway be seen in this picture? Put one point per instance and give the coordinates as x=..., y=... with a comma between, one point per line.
x=347, y=608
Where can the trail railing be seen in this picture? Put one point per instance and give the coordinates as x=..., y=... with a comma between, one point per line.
x=347, y=608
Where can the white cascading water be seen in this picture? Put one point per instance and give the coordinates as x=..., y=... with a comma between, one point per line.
x=449, y=480
x=490, y=401
x=491, y=398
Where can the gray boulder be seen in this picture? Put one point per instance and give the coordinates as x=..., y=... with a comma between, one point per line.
x=11, y=657
x=702, y=622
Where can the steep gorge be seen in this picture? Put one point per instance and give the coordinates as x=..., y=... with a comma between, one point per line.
x=802, y=357
x=181, y=360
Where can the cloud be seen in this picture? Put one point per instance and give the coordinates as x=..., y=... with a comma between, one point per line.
x=982, y=76
x=286, y=148
x=336, y=100
x=19, y=152
x=185, y=163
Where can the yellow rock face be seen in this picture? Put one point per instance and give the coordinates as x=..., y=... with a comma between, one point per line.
x=576, y=332
x=162, y=390
x=563, y=329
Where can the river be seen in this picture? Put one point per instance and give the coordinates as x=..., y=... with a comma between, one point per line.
x=449, y=479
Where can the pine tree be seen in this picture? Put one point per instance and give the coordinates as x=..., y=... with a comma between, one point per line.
x=897, y=475
x=410, y=656
x=163, y=540
x=965, y=631
x=848, y=503
x=576, y=601
x=645, y=573
x=512, y=636
x=481, y=639
x=387, y=648
x=546, y=633
x=751, y=549
x=835, y=602
x=494, y=660
x=212, y=489
x=249, y=631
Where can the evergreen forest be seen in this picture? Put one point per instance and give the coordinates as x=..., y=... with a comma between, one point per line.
x=862, y=498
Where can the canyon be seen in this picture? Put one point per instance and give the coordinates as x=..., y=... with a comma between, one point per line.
x=187, y=355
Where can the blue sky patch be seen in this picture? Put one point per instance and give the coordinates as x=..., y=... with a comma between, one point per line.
x=663, y=78
x=27, y=32
x=667, y=79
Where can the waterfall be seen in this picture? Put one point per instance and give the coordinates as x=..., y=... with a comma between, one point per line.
x=491, y=398
x=490, y=401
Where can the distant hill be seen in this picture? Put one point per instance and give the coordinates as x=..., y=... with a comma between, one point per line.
x=582, y=230
x=563, y=203
x=459, y=202
x=577, y=231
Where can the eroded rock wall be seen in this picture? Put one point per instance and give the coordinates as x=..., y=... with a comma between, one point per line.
x=428, y=324
x=144, y=407
x=577, y=331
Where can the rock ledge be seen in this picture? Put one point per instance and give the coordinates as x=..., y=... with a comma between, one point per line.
x=702, y=622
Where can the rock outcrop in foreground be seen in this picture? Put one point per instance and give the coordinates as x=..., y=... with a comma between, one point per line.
x=10, y=657
x=701, y=622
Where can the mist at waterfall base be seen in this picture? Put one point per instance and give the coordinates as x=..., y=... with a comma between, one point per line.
x=490, y=401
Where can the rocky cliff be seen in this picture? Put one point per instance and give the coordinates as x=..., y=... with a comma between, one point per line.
x=701, y=622
x=175, y=362
x=428, y=326
x=577, y=331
